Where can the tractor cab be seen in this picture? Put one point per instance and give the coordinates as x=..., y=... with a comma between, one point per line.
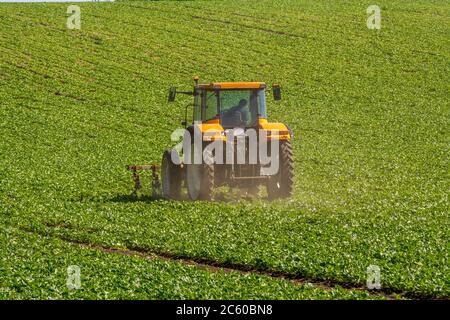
x=230, y=104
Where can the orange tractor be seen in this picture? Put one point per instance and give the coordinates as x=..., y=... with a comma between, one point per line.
x=229, y=142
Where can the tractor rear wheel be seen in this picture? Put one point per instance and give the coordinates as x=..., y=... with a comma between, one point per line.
x=171, y=177
x=281, y=184
x=200, y=177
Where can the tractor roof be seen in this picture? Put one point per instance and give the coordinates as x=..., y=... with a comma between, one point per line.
x=233, y=85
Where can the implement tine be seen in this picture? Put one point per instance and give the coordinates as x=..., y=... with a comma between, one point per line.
x=155, y=185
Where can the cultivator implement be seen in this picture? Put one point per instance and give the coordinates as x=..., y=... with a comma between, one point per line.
x=155, y=181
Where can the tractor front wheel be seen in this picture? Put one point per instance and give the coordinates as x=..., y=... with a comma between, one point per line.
x=200, y=178
x=281, y=184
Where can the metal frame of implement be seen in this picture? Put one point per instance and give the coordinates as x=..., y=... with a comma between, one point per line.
x=156, y=182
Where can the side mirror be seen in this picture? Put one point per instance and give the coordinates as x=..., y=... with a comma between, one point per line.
x=276, y=91
x=172, y=94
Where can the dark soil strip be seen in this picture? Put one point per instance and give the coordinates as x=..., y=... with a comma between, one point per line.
x=215, y=266
x=266, y=30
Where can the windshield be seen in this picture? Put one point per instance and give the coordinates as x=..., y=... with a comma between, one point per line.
x=240, y=108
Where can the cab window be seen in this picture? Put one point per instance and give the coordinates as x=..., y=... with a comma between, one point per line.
x=210, y=106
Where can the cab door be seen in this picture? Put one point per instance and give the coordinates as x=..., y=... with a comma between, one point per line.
x=198, y=104
x=210, y=105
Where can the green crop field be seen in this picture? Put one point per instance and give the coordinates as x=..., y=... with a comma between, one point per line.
x=370, y=114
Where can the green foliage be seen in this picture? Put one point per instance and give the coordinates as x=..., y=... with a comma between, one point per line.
x=36, y=268
x=369, y=111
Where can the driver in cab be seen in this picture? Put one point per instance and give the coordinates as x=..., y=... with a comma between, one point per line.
x=236, y=115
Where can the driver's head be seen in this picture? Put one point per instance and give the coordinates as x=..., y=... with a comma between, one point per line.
x=242, y=103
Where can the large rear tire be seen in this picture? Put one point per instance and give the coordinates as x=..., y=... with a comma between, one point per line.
x=200, y=178
x=281, y=185
x=171, y=177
